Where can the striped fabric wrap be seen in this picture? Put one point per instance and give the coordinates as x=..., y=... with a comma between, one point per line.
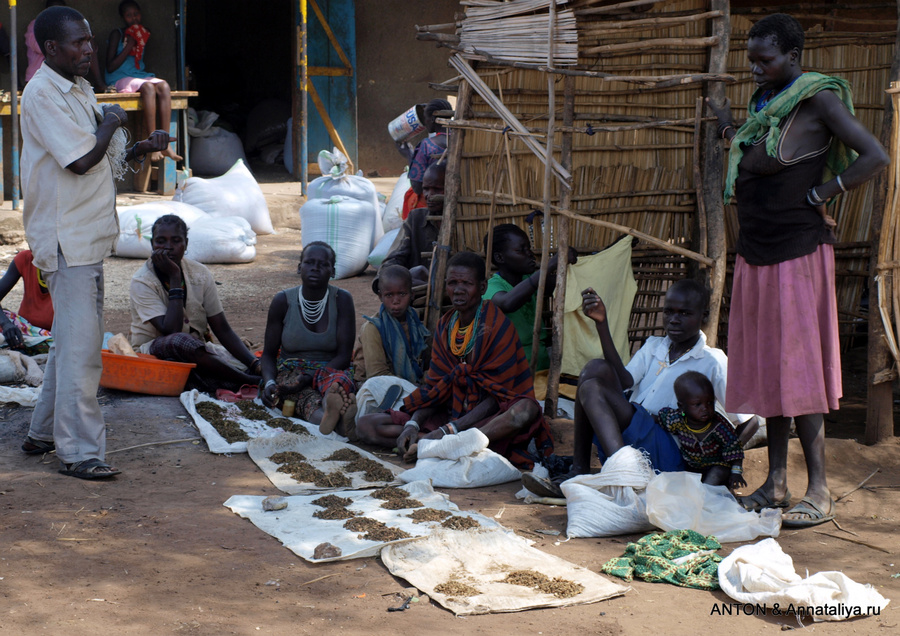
x=499, y=368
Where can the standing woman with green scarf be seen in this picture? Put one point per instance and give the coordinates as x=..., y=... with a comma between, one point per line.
x=800, y=147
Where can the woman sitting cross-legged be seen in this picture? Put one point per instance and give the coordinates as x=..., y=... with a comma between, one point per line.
x=309, y=341
x=174, y=305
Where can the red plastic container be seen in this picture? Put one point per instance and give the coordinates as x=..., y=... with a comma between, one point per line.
x=144, y=374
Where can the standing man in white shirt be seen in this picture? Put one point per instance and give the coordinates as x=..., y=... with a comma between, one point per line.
x=71, y=226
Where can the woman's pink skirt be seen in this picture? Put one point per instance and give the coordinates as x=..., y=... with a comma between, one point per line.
x=783, y=349
x=133, y=84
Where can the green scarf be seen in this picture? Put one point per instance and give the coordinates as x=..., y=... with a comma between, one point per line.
x=768, y=120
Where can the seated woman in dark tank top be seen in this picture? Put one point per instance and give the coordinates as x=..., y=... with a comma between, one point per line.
x=309, y=341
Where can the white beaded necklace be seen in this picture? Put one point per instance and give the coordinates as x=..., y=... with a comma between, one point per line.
x=312, y=310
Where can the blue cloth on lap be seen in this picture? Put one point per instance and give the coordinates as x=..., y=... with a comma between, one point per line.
x=644, y=433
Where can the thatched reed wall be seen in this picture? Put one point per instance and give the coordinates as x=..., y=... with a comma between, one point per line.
x=635, y=145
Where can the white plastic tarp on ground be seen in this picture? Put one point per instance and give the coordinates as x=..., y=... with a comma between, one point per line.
x=483, y=559
x=315, y=449
x=301, y=532
x=253, y=428
x=763, y=574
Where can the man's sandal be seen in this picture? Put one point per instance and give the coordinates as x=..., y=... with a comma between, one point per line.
x=758, y=500
x=90, y=469
x=33, y=446
x=814, y=514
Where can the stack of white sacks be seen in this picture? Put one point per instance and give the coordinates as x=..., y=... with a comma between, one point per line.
x=223, y=216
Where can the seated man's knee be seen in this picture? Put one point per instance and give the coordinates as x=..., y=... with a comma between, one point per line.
x=523, y=413
x=597, y=369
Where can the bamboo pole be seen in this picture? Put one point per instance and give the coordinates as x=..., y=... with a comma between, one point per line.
x=452, y=188
x=647, y=23
x=551, y=399
x=534, y=132
x=702, y=243
x=668, y=247
x=646, y=45
x=713, y=163
x=548, y=177
x=487, y=95
x=880, y=401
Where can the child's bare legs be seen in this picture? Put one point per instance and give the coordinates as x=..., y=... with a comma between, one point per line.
x=600, y=409
x=157, y=97
x=377, y=428
x=716, y=475
x=164, y=104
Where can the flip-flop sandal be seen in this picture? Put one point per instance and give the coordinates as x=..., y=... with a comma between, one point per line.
x=542, y=487
x=759, y=500
x=33, y=446
x=390, y=396
x=807, y=506
x=246, y=392
x=88, y=468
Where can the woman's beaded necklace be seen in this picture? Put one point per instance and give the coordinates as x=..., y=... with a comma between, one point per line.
x=312, y=310
x=462, y=339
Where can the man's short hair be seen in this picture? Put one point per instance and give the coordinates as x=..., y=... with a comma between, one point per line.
x=469, y=260
x=698, y=290
x=438, y=169
x=395, y=273
x=51, y=24
x=784, y=29
x=170, y=220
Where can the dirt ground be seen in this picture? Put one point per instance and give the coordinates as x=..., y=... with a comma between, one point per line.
x=155, y=552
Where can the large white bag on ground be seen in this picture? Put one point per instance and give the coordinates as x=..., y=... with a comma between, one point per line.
x=223, y=239
x=392, y=217
x=611, y=502
x=213, y=154
x=460, y=461
x=336, y=182
x=345, y=224
x=235, y=193
x=377, y=255
x=136, y=222
x=680, y=501
x=762, y=574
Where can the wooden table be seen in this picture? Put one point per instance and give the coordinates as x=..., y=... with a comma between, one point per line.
x=132, y=103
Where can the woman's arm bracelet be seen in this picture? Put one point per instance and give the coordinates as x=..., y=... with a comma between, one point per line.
x=813, y=198
x=723, y=128
x=840, y=183
x=412, y=423
x=134, y=154
x=737, y=470
x=268, y=384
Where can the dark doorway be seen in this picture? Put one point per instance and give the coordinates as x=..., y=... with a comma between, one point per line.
x=239, y=54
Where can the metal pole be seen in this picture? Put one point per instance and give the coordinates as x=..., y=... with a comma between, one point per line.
x=304, y=97
x=14, y=67
x=180, y=30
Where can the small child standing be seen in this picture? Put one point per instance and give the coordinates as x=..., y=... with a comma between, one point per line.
x=709, y=443
x=395, y=341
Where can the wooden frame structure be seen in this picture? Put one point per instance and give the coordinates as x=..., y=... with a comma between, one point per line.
x=628, y=146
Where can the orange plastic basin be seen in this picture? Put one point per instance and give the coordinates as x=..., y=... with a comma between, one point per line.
x=144, y=374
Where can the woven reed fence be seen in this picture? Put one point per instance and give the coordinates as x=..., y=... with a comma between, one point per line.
x=636, y=140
